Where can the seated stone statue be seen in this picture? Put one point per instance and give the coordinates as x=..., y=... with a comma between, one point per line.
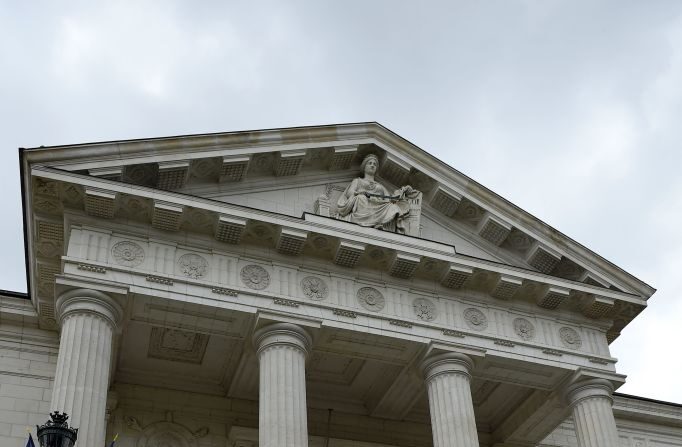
x=368, y=203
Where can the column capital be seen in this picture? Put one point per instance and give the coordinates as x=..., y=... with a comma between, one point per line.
x=589, y=388
x=88, y=301
x=282, y=334
x=447, y=363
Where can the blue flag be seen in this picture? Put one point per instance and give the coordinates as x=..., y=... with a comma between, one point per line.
x=30, y=443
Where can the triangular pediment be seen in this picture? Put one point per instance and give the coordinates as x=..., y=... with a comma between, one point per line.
x=295, y=176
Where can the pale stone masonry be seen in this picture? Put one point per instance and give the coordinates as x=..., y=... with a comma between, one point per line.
x=28, y=358
x=326, y=286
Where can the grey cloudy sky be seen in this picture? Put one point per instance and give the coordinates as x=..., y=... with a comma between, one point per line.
x=571, y=110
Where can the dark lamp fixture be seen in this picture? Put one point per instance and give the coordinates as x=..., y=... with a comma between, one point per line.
x=57, y=433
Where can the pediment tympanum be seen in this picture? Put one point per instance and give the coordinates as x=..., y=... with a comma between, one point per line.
x=307, y=192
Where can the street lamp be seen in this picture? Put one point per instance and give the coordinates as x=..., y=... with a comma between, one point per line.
x=57, y=433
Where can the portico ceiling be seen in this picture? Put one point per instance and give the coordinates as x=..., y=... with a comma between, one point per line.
x=201, y=349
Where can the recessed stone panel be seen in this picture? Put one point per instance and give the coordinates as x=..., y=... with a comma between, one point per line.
x=47, y=272
x=456, y=276
x=230, y=229
x=542, y=258
x=342, y=157
x=404, y=265
x=51, y=231
x=289, y=163
x=348, y=254
x=166, y=216
x=395, y=170
x=595, y=306
x=291, y=241
x=100, y=203
x=172, y=175
x=506, y=287
x=590, y=278
x=492, y=229
x=177, y=346
x=445, y=201
x=109, y=173
x=553, y=297
x=234, y=168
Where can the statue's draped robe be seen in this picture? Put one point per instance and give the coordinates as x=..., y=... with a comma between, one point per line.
x=370, y=211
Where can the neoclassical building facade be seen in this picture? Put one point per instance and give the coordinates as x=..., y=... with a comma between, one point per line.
x=331, y=286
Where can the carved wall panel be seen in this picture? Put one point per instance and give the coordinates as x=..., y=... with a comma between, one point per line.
x=176, y=345
x=165, y=433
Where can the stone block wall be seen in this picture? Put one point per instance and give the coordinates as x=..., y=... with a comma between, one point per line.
x=28, y=358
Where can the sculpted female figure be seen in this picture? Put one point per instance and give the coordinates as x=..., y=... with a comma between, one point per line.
x=367, y=202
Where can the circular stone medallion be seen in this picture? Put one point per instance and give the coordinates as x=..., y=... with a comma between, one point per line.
x=314, y=288
x=193, y=266
x=570, y=338
x=127, y=253
x=371, y=299
x=424, y=309
x=255, y=277
x=524, y=329
x=475, y=319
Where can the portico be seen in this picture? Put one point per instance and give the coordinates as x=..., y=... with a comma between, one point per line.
x=207, y=291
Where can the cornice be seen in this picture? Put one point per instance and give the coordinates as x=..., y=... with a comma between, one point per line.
x=637, y=409
x=335, y=228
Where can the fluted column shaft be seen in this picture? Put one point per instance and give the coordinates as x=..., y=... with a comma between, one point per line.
x=448, y=379
x=88, y=319
x=591, y=403
x=282, y=413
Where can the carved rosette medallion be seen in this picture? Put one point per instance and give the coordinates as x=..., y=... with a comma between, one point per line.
x=193, y=266
x=371, y=299
x=475, y=319
x=314, y=288
x=424, y=309
x=255, y=277
x=570, y=338
x=524, y=329
x=127, y=253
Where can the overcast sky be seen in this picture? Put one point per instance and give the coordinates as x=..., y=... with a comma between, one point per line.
x=571, y=110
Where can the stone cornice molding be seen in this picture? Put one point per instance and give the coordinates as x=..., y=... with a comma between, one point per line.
x=282, y=335
x=88, y=301
x=589, y=389
x=447, y=363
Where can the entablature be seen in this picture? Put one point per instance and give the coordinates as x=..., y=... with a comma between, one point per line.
x=325, y=239
x=251, y=277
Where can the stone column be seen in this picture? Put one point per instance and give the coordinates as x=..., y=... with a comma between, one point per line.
x=282, y=413
x=452, y=409
x=591, y=403
x=88, y=319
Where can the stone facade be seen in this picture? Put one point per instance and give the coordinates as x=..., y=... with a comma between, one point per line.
x=208, y=291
